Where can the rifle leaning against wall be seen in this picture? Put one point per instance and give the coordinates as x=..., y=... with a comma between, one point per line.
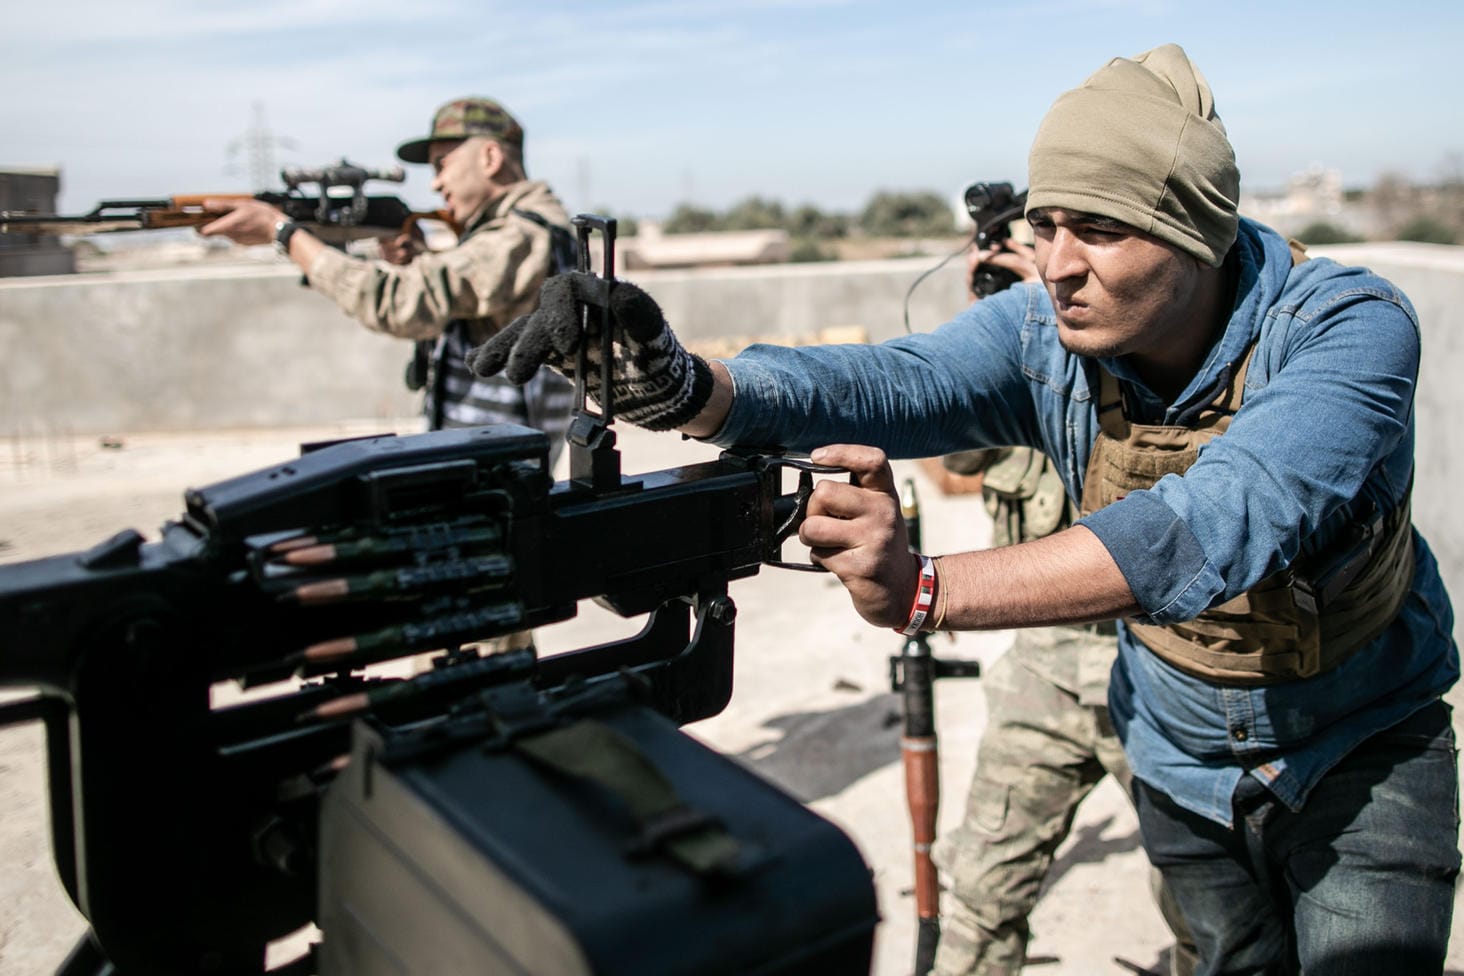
x=339, y=211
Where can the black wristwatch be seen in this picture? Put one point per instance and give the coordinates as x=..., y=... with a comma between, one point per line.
x=284, y=230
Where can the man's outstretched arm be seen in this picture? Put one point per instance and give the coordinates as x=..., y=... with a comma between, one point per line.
x=254, y=222
x=856, y=531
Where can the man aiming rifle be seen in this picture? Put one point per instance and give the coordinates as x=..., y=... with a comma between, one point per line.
x=514, y=235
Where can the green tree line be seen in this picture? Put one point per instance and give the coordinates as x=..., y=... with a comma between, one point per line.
x=887, y=214
x=1394, y=208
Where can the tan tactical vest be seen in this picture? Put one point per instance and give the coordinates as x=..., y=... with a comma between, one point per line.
x=1294, y=624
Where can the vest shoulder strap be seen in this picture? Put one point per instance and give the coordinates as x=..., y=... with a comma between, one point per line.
x=563, y=251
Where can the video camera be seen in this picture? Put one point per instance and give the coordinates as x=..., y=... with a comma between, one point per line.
x=992, y=207
x=501, y=813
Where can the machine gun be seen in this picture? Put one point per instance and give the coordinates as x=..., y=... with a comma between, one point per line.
x=500, y=813
x=992, y=207
x=338, y=212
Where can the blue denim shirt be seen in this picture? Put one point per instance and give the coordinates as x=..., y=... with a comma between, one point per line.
x=1325, y=431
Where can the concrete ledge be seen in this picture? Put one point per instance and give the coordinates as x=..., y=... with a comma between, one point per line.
x=247, y=346
x=796, y=299
x=236, y=346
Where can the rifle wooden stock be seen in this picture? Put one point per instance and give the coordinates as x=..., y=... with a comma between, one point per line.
x=186, y=210
x=412, y=226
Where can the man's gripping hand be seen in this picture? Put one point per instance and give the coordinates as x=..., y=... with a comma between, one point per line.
x=242, y=221
x=655, y=382
x=855, y=530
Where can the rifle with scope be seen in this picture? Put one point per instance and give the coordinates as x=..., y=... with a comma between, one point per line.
x=499, y=813
x=339, y=211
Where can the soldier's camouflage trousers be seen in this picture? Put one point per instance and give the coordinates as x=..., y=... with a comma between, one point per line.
x=1042, y=752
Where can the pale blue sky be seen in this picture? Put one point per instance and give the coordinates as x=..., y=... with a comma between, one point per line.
x=640, y=105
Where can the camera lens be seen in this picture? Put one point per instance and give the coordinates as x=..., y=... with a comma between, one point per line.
x=978, y=198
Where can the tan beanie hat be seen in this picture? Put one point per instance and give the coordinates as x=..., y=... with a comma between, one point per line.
x=1140, y=142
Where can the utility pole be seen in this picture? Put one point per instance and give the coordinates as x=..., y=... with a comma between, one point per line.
x=258, y=145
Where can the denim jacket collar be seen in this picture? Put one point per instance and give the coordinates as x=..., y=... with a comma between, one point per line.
x=1262, y=261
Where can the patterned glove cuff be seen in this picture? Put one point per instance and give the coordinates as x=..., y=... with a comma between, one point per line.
x=694, y=390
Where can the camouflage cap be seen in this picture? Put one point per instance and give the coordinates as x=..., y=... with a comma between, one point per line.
x=460, y=119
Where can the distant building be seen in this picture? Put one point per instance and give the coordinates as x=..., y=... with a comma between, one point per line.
x=1311, y=196
x=650, y=248
x=33, y=189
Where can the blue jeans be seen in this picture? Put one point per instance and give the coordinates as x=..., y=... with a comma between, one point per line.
x=1359, y=881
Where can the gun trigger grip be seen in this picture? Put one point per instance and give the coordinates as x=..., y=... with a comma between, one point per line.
x=799, y=508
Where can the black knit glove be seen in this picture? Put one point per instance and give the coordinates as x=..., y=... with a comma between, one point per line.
x=655, y=382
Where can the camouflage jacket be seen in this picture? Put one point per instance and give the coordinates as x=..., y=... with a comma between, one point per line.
x=489, y=279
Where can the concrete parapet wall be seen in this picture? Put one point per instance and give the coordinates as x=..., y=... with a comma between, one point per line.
x=247, y=346
x=196, y=349
x=802, y=299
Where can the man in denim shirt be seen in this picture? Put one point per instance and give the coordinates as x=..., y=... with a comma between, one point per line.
x=1237, y=425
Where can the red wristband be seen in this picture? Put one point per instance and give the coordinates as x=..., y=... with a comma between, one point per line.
x=924, y=596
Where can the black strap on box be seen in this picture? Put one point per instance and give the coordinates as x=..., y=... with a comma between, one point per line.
x=592, y=751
